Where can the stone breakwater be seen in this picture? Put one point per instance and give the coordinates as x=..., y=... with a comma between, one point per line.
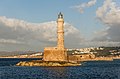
x=46, y=63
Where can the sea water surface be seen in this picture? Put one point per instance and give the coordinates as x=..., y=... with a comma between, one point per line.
x=88, y=70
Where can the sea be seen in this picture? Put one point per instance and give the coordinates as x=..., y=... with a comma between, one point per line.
x=88, y=70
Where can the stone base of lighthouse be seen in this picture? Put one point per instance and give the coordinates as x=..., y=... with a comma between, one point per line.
x=54, y=54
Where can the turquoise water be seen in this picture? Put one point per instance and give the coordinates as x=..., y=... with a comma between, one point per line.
x=89, y=70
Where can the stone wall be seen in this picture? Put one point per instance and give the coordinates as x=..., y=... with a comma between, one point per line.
x=54, y=54
x=81, y=57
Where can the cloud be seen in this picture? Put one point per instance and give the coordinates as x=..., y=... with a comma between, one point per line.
x=10, y=41
x=99, y=43
x=109, y=15
x=18, y=34
x=23, y=35
x=82, y=6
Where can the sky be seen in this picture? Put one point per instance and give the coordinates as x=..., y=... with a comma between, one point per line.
x=30, y=25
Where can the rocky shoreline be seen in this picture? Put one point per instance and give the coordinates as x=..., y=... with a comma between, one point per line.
x=46, y=63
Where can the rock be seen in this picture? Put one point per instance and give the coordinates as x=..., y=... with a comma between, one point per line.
x=46, y=63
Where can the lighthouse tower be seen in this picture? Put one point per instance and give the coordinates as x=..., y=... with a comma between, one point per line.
x=57, y=53
x=60, y=31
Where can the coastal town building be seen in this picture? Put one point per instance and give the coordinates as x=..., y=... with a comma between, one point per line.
x=89, y=50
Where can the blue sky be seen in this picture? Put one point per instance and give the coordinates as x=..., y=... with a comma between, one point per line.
x=88, y=23
x=42, y=11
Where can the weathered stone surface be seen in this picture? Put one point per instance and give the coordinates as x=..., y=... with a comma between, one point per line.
x=46, y=63
x=57, y=53
x=54, y=54
x=80, y=57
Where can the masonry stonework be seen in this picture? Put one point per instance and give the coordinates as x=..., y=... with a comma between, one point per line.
x=57, y=53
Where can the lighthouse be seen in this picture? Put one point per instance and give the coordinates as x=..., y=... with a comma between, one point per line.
x=54, y=56
x=60, y=31
x=57, y=53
